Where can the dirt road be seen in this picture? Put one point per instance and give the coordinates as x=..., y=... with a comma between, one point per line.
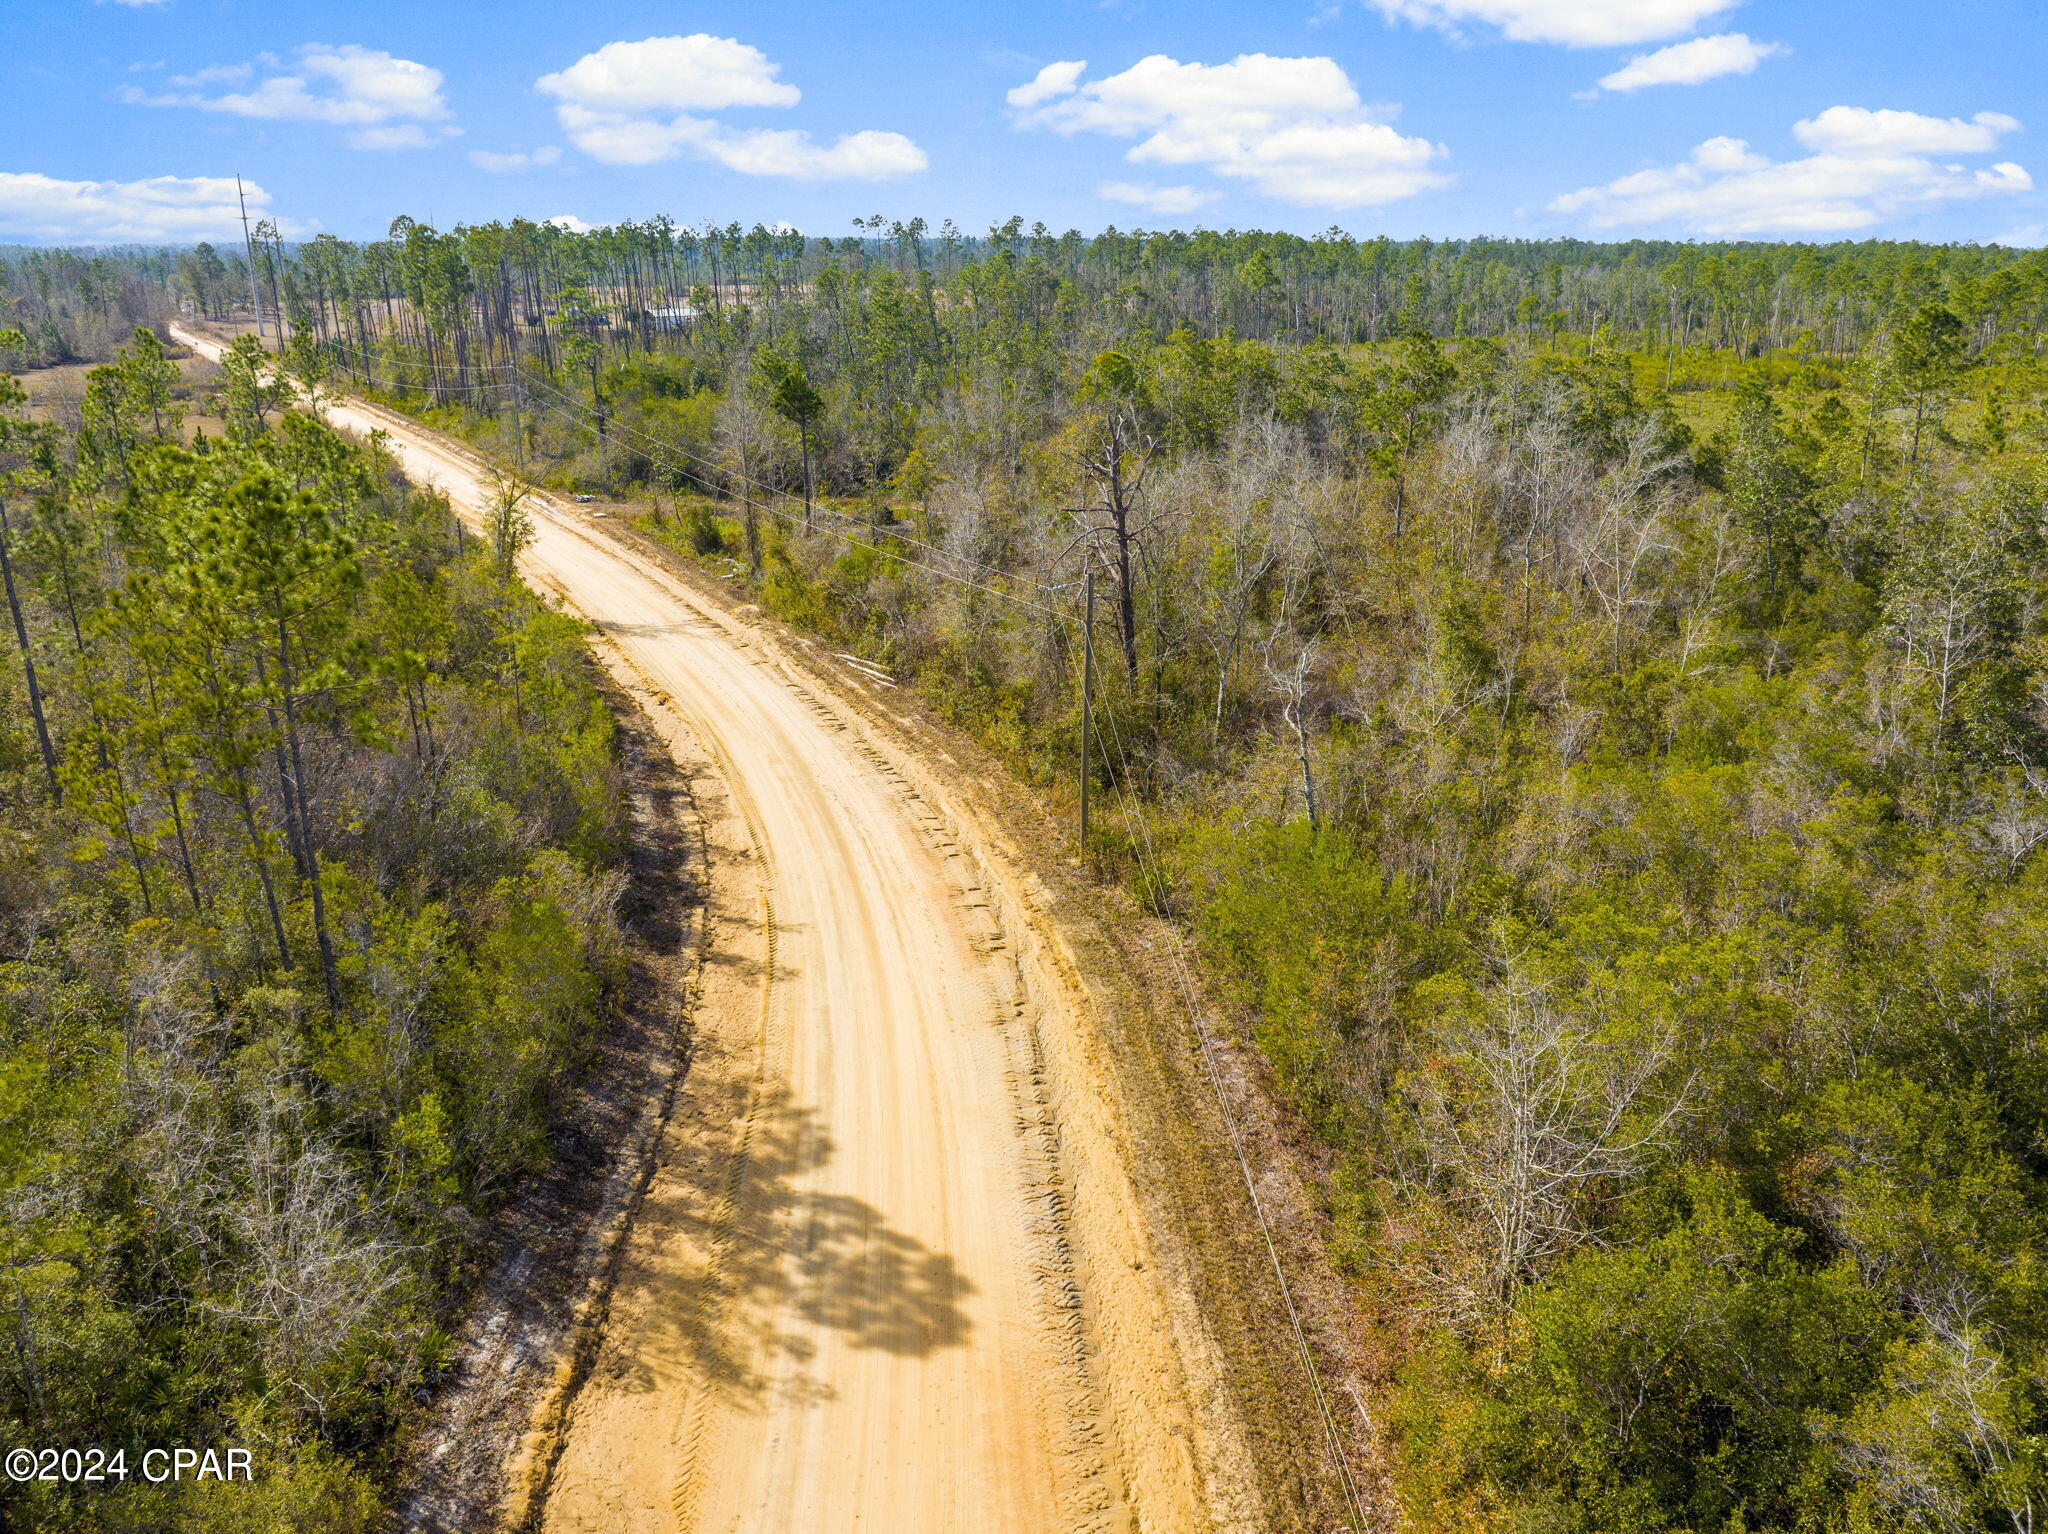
x=892, y=1274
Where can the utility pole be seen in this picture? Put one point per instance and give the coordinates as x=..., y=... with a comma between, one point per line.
x=1087, y=696
x=249, y=250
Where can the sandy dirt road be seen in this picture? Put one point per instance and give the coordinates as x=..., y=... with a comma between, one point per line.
x=890, y=1274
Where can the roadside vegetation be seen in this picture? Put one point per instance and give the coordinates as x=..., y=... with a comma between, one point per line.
x=1589, y=705
x=309, y=829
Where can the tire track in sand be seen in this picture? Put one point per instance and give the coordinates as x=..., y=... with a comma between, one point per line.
x=891, y=1273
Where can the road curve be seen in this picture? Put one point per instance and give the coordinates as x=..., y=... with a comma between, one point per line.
x=890, y=1274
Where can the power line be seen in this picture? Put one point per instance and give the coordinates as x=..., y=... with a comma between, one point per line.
x=1149, y=862
x=1151, y=865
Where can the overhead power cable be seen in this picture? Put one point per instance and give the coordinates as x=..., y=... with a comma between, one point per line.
x=1152, y=867
x=1139, y=829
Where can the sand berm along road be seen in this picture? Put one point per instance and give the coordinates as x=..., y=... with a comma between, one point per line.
x=891, y=1273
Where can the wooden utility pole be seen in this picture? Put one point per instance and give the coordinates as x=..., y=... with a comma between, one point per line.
x=249, y=250
x=1087, y=696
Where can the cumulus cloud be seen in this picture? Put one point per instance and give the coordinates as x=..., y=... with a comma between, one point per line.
x=1690, y=63
x=1294, y=129
x=699, y=73
x=161, y=208
x=514, y=160
x=1575, y=23
x=385, y=102
x=1055, y=79
x=642, y=103
x=570, y=222
x=1869, y=167
x=1167, y=201
x=1858, y=130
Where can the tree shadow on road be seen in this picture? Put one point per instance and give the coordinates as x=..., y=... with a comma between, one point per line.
x=743, y=1261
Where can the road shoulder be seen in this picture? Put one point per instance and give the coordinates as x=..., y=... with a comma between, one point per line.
x=529, y=1329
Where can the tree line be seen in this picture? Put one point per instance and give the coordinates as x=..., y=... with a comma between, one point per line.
x=482, y=294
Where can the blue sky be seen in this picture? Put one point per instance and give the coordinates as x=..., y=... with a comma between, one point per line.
x=124, y=119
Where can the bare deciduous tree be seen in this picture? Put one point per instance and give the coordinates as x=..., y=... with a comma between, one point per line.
x=1622, y=540
x=1531, y=1111
x=1290, y=680
x=1115, y=467
x=741, y=424
x=314, y=1271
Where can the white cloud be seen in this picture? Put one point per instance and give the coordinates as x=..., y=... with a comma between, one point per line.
x=2026, y=237
x=1858, y=130
x=698, y=73
x=384, y=100
x=1575, y=23
x=570, y=222
x=1871, y=166
x=514, y=160
x=161, y=208
x=1167, y=201
x=640, y=103
x=620, y=140
x=1690, y=63
x=1294, y=128
x=1055, y=79
x=864, y=156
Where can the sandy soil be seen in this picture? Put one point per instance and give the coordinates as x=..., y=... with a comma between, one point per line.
x=892, y=1272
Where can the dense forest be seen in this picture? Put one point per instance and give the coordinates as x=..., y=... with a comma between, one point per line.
x=1588, y=704
x=309, y=829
